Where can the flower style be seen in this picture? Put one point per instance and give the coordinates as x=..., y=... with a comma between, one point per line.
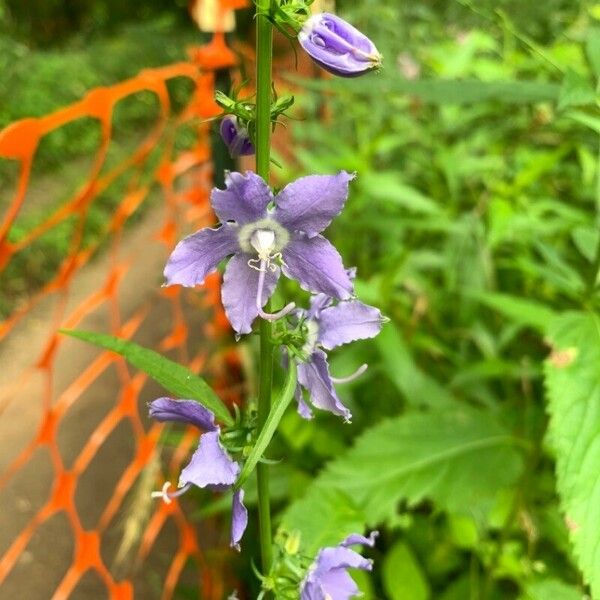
x=236, y=137
x=210, y=466
x=337, y=46
x=329, y=326
x=327, y=577
x=265, y=240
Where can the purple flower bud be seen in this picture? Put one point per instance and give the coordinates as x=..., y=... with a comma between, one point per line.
x=338, y=46
x=236, y=137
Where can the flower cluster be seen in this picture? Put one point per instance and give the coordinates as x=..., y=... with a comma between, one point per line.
x=263, y=236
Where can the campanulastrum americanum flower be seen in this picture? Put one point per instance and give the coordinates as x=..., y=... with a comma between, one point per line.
x=329, y=326
x=210, y=467
x=266, y=235
x=236, y=137
x=327, y=577
x=337, y=46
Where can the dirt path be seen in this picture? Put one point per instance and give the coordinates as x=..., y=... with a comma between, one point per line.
x=42, y=565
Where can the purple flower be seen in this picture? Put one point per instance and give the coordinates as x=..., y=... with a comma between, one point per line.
x=337, y=46
x=265, y=240
x=210, y=467
x=236, y=137
x=329, y=326
x=327, y=577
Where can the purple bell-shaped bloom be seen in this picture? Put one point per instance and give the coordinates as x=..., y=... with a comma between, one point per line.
x=329, y=326
x=236, y=137
x=327, y=577
x=337, y=46
x=265, y=240
x=210, y=467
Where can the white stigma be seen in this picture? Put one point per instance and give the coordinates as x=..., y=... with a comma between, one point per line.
x=263, y=241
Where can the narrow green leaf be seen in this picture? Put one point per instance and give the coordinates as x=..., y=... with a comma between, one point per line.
x=418, y=388
x=576, y=90
x=442, y=91
x=271, y=424
x=592, y=49
x=519, y=310
x=388, y=188
x=573, y=391
x=175, y=378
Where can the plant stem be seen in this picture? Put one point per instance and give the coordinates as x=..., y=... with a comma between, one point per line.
x=264, y=54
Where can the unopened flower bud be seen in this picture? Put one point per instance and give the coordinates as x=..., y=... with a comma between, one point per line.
x=236, y=137
x=337, y=46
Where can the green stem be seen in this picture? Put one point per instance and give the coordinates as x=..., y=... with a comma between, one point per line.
x=264, y=54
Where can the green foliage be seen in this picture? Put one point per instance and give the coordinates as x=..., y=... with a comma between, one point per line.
x=474, y=226
x=402, y=576
x=175, y=378
x=573, y=384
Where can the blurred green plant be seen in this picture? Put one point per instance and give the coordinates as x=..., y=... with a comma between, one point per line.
x=474, y=224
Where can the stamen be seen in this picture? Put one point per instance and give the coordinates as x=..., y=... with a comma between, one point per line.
x=259, y=294
x=168, y=496
x=352, y=377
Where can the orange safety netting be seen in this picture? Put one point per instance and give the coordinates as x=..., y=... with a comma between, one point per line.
x=75, y=444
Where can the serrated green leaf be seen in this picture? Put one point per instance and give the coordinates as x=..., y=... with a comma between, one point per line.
x=175, y=378
x=573, y=391
x=324, y=517
x=403, y=578
x=456, y=459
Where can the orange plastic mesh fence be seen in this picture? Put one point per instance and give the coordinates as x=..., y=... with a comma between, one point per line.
x=78, y=457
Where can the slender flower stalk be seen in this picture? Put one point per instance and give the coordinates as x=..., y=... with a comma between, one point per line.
x=264, y=60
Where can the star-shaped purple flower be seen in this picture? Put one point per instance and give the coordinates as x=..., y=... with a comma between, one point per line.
x=337, y=46
x=264, y=240
x=211, y=466
x=327, y=577
x=329, y=326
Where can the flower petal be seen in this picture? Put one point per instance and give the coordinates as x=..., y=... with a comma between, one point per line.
x=338, y=585
x=310, y=203
x=327, y=576
x=303, y=409
x=240, y=287
x=239, y=518
x=210, y=465
x=356, y=538
x=314, y=376
x=347, y=322
x=182, y=411
x=244, y=199
x=317, y=266
x=199, y=254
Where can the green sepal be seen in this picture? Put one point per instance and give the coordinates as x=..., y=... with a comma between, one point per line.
x=266, y=435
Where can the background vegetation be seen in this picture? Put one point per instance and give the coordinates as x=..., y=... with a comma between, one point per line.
x=474, y=227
